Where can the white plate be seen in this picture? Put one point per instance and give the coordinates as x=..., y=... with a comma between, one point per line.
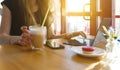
x=97, y=52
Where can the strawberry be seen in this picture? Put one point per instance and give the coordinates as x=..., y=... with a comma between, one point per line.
x=88, y=48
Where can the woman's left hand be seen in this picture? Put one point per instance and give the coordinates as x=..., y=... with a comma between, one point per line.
x=74, y=34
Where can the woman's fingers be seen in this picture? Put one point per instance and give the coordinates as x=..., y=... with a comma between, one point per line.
x=25, y=46
x=24, y=29
x=26, y=35
x=25, y=42
x=83, y=34
x=26, y=39
x=74, y=34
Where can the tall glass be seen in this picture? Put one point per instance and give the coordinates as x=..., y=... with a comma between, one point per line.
x=112, y=48
x=38, y=36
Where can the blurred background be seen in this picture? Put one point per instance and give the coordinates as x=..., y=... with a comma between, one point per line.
x=83, y=15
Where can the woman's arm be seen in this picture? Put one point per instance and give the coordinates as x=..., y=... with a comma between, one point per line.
x=51, y=35
x=5, y=27
x=5, y=20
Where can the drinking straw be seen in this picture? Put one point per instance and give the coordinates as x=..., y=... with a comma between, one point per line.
x=45, y=16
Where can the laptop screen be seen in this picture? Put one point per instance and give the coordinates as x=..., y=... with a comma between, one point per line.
x=98, y=41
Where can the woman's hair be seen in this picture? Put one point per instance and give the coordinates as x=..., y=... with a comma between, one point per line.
x=30, y=18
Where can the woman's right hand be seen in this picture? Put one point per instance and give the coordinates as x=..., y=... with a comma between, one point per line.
x=26, y=39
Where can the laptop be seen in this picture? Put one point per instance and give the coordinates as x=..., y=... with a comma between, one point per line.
x=97, y=41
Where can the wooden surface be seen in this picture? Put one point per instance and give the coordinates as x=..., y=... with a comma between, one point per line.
x=13, y=58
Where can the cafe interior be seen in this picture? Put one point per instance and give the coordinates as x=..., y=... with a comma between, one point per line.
x=98, y=19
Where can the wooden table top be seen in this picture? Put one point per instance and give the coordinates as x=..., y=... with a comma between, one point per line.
x=13, y=58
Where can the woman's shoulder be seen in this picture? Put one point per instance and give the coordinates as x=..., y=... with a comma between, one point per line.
x=8, y=1
x=11, y=4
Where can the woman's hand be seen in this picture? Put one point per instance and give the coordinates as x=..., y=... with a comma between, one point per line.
x=74, y=34
x=82, y=34
x=26, y=40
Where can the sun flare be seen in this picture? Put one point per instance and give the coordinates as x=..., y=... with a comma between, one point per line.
x=77, y=5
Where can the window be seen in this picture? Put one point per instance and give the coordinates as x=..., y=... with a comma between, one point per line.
x=55, y=8
x=0, y=10
x=77, y=23
x=0, y=4
x=84, y=15
x=116, y=14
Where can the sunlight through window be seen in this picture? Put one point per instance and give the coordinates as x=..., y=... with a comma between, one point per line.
x=78, y=23
x=77, y=5
x=0, y=11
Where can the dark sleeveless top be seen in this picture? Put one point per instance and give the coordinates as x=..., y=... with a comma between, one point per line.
x=17, y=16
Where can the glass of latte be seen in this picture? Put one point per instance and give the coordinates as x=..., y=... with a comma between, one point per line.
x=38, y=36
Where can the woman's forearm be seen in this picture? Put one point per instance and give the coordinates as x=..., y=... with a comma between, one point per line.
x=6, y=39
x=68, y=35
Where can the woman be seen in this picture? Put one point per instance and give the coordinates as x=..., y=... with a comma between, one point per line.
x=18, y=13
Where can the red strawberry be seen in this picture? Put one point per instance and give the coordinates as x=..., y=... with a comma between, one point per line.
x=88, y=48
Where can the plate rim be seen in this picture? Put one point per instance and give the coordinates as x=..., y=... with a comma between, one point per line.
x=88, y=55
